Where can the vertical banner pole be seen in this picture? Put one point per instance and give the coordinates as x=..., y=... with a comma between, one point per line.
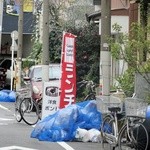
x=68, y=66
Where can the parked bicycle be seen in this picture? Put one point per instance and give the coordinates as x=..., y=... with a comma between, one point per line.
x=26, y=108
x=29, y=111
x=132, y=135
x=90, y=86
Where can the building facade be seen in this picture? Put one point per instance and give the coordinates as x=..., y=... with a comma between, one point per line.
x=123, y=13
x=9, y=23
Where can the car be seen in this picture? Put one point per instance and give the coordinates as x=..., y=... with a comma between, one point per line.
x=6, y=64
x=35, y=78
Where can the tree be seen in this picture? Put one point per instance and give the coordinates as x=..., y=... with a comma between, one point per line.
x=87, y=54
x=129, y=47
x=88, y=43
x=144, y=10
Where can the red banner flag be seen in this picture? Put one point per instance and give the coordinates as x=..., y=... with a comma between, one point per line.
x=68, y=67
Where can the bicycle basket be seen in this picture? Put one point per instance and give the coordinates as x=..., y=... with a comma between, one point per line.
x=24, y=92
x=135, y=107
x=104, y=102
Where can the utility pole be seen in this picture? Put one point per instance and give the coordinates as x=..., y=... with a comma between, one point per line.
x=45, y=50
x=20, y=45
x=45, y=41
x=105, y=49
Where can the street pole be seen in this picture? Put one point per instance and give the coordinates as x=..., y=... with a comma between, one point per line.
x=1, y=21
x=20, y=45
x=105, y=49
x=45, y=49
x=45, y=41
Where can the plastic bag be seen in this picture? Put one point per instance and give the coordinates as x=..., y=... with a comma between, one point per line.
x=80, y=135
x=7, y=96
x=92, y=135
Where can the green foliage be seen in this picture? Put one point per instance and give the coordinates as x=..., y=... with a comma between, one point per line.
x=28, y=63
x=87, y=52
x=87, y=44
x=36, y=51
x=87, y=55
x=55, y=42
x=132, y=49
x=126, y=82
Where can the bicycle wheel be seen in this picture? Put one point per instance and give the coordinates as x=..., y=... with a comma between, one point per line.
x=91, y=96
x=17, y=111
x=108, y=128
x=29, y=111
x=138, y=139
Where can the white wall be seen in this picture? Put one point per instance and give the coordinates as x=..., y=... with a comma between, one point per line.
x=117, y=67
x=123, y=21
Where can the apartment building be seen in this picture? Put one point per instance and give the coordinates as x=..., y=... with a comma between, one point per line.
x=9, y=22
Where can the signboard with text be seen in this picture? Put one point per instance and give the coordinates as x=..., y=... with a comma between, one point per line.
x=51, y=98
x=68, y=65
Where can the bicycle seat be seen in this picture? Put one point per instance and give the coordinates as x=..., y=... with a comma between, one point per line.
x=114, y=109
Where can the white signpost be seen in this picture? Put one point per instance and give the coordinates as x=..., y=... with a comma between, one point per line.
x=51, y=98
x=14, y=47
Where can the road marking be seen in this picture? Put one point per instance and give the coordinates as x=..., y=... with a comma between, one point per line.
x=6, y=119
x=65, y=145
x=4, y=108
x=1, y=124
x=62, y=144
x=16, y=147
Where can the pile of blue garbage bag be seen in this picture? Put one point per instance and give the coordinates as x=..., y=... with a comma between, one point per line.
x=62, y=125
x=7, y=96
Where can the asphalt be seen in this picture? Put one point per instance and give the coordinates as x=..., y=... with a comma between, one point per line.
x=16, y=136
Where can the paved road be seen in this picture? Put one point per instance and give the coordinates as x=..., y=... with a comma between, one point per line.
x=16, y=136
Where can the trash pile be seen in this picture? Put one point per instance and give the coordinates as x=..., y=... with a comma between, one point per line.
x=7, y=96
x=67, y=124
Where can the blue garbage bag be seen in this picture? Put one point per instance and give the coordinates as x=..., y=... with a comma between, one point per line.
x=3, y=96
x=12, y=96
x=148, y=112
x=62, y=125
x=7, y=96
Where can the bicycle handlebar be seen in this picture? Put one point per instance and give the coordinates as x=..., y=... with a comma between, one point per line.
x=87, y=84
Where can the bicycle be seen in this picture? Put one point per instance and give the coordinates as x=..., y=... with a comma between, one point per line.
x=20, y=95
x=29, y=111
x=26, y=108
x=128, y=137
x=134, y=134
x=91, y=89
